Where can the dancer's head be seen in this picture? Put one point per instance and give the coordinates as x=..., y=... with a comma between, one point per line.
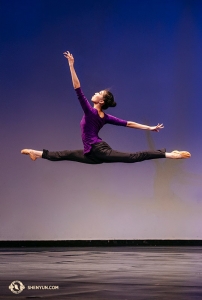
x=105, y=98
x=108, y=100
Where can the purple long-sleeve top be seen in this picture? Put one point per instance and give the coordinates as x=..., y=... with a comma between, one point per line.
x=91, y=123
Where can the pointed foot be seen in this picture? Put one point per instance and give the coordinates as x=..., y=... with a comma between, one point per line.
x=29, y=152
x=181, y=154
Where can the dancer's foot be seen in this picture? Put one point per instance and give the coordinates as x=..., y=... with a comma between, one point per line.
x=178, y=154
x=33, y=154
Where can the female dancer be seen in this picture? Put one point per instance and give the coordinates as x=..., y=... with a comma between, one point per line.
x=95, y=150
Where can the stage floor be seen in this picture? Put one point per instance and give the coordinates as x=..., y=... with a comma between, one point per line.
x=121, y=273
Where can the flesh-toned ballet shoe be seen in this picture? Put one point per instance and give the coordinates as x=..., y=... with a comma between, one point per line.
x=182, y=154
x=29, y=152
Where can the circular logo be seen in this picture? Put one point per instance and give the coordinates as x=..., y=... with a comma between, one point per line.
x=16, y=287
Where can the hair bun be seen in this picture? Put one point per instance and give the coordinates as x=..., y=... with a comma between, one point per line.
x=113, y=104
x=108, y=100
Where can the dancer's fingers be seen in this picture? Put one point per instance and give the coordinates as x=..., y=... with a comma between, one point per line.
x=67, y=53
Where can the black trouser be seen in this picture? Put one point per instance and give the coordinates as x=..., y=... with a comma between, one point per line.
x=102, y=153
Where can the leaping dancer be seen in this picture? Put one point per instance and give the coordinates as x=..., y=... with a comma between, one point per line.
x=96, y=151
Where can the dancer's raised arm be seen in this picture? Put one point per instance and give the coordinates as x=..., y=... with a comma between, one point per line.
x=146, y=127
x=75, y=80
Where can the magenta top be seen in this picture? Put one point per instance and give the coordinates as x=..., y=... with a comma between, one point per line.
x=91, y=123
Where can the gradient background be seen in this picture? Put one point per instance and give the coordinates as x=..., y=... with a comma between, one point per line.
x=149, y=53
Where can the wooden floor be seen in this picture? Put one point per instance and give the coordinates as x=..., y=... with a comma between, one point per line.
x=121, y=273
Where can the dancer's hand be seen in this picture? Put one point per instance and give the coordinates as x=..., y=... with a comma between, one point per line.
x=70, y=57
x=157, y=127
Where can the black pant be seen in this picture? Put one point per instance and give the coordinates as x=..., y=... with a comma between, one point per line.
x=102, y=153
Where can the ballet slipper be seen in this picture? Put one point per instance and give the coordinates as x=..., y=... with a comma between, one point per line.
x=29, y=152
x=182, y=154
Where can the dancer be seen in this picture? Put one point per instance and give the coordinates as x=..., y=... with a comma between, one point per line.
x=95, y=150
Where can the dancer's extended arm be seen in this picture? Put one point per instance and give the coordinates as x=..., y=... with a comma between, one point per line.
x=146, y=127
x=75, y=80
x=76, y=84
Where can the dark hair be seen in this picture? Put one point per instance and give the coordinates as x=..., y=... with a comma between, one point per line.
x=108, y=100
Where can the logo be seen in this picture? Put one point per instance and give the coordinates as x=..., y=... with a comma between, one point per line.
x=16, y=287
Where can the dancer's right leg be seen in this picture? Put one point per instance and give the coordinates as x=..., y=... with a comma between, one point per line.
x=71, y=155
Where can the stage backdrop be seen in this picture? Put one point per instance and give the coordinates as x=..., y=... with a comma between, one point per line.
x=148, y=52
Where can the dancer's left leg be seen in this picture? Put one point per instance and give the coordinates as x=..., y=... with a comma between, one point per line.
x=104, y=152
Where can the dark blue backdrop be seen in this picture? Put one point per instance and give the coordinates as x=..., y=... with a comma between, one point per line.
x=149, y=53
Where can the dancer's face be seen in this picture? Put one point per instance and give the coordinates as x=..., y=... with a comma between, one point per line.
x=98, y=97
